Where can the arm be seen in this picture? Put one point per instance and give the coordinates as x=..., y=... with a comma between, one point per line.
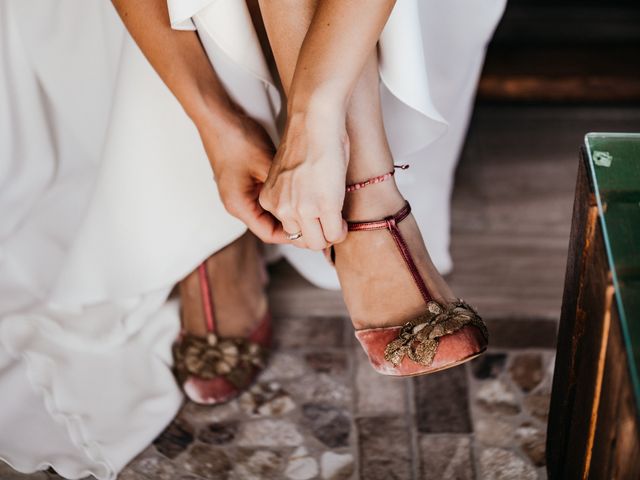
x=226, y=132
x=341, y=36
x=306, y=184
x=179, y=60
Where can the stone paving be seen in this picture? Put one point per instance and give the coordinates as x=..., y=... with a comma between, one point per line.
x=320, y=412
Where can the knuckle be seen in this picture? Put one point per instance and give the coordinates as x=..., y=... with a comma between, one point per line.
x=225, y=192
x=264, y=199
x=334, y=237
x=284, y=210
x=339, y=239
x=308, y=210
x=318, y=246
x=231, y=206
x=232, y=210
x=329, y=207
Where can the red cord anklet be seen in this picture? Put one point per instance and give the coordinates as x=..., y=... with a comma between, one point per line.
x=378, y=179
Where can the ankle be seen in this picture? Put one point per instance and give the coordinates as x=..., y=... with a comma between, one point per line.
x=235, y=261
x=373, y=202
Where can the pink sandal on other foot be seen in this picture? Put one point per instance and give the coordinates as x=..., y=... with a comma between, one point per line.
x=213, y=369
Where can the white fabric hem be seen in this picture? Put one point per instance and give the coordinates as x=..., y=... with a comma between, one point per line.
x=74, y=427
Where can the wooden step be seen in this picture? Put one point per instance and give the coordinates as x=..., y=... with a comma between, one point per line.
x=552, y=73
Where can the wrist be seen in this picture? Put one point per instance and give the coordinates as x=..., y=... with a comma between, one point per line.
x=323, y=129
x=212, y=111
x=327, y=102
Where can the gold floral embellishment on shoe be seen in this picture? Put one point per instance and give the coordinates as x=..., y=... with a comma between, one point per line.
x=210, y=356
x=418, y=339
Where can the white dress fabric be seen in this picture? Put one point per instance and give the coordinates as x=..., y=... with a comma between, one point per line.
x=107, y=200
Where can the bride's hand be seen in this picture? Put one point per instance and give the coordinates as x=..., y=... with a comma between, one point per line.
x=306, y=183
x=241, y=152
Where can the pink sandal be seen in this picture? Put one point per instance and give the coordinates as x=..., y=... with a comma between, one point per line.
x=445, y=335
x=212, y=369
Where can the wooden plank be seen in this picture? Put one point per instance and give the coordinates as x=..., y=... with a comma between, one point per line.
x=586, y=346
x=579, y=87
x=592, y=430
x=585, y=22
x=561, y=73
x=626, y=456
x=512, y=204
x=616, y=448
x=567, y=51
x=615, y=375
x=511, y=216
x=576, y=353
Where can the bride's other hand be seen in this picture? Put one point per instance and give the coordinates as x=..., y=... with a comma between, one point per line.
x=239, y=149
x=306, y=184
x=241, y=152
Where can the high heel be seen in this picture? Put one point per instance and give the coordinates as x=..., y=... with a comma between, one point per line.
x=214, y=369
x=445, y=335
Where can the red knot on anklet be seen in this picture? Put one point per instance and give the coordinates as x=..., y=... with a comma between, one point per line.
x=378, y=179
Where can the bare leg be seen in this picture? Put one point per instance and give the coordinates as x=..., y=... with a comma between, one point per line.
x=377, y=287
x=236, y=281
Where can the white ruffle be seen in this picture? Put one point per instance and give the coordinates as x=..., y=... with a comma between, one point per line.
x=65, y=363
x=229, y=24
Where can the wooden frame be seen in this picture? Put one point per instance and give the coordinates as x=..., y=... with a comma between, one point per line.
x=592, y=430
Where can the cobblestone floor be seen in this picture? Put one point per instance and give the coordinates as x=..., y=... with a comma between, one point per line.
x=320, y=412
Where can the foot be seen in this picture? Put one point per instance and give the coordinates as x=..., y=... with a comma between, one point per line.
x=378, y=288
x=237, y=279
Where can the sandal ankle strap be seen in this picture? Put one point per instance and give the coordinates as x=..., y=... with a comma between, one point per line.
x=380, y=224
x=391, y=223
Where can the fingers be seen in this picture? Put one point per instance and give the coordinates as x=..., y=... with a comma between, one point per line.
x=312, y=234
x=334, y=228
x=261, y=168
x=318, y=232
x=288, y=220
x=291, y=227
x=267, y=228
x=262, y=223
x=319, y=228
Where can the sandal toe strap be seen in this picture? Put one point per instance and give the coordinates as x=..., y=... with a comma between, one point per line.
x=418, y=339
x=209, y=357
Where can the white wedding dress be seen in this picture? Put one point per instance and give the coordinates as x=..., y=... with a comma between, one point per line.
x=107, y=200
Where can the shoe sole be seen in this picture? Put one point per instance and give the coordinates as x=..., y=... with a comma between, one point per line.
x=448, y=365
